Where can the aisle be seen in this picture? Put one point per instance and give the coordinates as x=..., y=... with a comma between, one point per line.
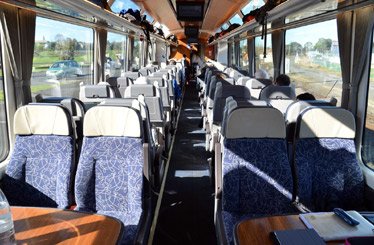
x=187, y=209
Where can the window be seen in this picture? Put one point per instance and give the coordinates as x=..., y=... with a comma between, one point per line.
x=149, y=17
x=262, y=62
x=368, y=143
x=313, y=61
x=244, y=64
x=136, y=54
x=253, y=4
x=63, y=58
x=224, y=26
x=115, y=55
x=4, y=145
x=118, y=5
x=236, y=20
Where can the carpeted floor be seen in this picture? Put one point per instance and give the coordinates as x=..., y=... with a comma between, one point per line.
x=187, y=209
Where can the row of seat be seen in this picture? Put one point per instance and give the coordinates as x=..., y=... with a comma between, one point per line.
x=114, y=175
x=255, y=175
x=276, y=155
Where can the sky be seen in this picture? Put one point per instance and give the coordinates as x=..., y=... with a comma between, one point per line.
x=118, y=5
x=48, y=29
x=312, y=33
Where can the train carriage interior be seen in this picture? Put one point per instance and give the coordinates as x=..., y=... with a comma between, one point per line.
x=182, y=121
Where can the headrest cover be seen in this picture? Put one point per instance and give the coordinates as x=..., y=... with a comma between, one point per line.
x=256, y=84
x=112, y=121
x=277, y=92
x=326, y=122
x=141, y=80
x=255, y=122
x=42, y=119
x=295, y=108
x=242, y=80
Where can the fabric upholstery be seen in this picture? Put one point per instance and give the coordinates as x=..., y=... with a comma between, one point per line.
x=109, y=180
x=257, y=179
x=40, y=171
x=328, y=174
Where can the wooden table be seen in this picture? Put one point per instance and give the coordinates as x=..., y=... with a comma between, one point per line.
x=51, y=226
x=256, y=231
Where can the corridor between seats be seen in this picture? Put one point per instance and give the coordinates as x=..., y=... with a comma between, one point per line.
x=186, y=215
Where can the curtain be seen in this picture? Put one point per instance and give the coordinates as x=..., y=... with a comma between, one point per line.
x=353, y=67
x=100, y=59
x=251, y=56
x=19, y=25
x=362, y=44
x=277, y=39
x=344, y=21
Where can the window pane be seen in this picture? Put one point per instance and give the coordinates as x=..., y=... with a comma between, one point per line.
x=313, y=61
x=115, y=55
x=253, y=4
x=63, y=58
x=4, y=145
x=260, y=61
x=224, y=26
x=135, y=59
x=244, y=54
x=118, y=5
x=368, y=144
x=149, y=18
x=236, y=20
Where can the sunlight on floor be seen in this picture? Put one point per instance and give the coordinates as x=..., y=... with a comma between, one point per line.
x=191, y=173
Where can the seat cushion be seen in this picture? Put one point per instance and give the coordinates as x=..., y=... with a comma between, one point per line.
x=328, y=174
x=40, y=171
x=256, y=176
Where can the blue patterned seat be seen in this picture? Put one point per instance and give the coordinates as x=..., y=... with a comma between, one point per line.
x=41, y=169
x=256, y=174
x=110, y=177
x=328, y=174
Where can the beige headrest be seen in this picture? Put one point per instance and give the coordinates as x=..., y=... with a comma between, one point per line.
x=255, y=122
x=42, y=119
x=112, y=121
x=326, y=123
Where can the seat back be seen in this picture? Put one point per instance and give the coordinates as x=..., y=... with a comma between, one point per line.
x=254, y=162
x=281, y=105
x=110, y=178
x=222, y=93
x=126, y=80
x=327, y=170
x=144, y=71
x=235, y=74
x=76, y=109
x=242, y=81
x=95, y=93
x=256, y=85
x=41, y=169
x=277, y=92
x=139, y=106
x=135, y=90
